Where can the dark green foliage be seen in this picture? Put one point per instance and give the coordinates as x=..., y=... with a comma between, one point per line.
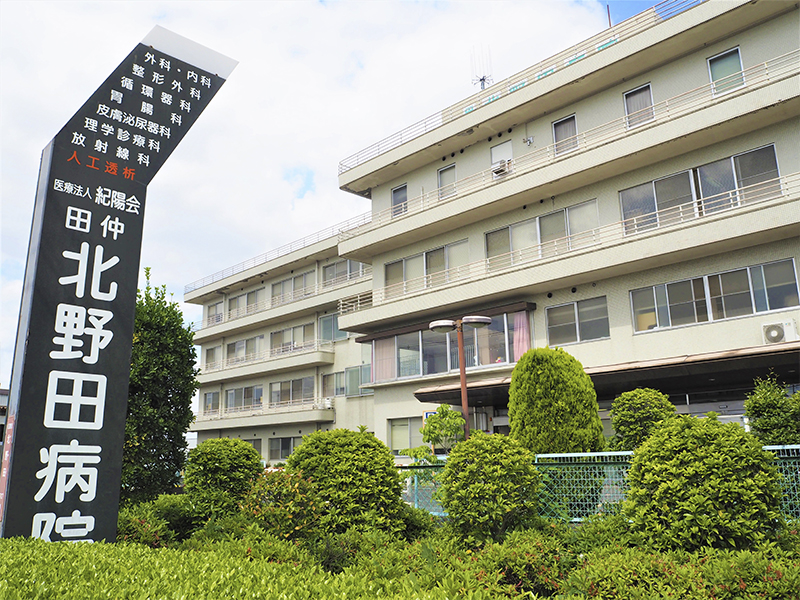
x=634, y=414
x=283, y=504
x=140, y=524
x=178, y=511
x=160, y=394
x=774, y=415
x=219, y=473
x=552, y=405
x=698, y=482
x=355, y=478
x=489, y=487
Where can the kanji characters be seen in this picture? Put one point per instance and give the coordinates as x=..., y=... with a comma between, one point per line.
x=158, y=78
x=116, y=96
x=128, y=174
x=78, y=219
x=98, y=268
x=144, y=159
x=126, y=83
x=75, y=526
x=107, y=129
x=147, y=90
x=111, y=168
x=138, y=70
x=147, y=108
x=115, y=227
x=78, y=139
x=123, y=153
x=57, y=459
x=90, y=124
x=75, y=400
x=194, y=93
x=71, y=324
x=166, y=98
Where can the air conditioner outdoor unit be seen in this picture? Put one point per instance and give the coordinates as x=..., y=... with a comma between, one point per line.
x=327, y=402
x=501, y=167
x=775, y=333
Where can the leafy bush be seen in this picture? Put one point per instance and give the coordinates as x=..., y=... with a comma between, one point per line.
x=552, y=405
x=634, y=414
x=178, y=512
x=219, y=473
x=774, y=415
x=698, y=482
x=355, y=478
x=140, y=524
x=284, y=504
x=489, y=487
x=444, y=428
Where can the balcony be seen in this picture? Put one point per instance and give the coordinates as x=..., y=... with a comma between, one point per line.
x=305, y=410
x=618, y=139
x=284, y=358
x=646, y=238
x=564, y=60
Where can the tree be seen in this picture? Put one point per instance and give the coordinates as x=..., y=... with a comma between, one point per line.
x=774, y=415
x=444, y=428
x=163, y=381
x=698, y=482
x=489, y=487
x=220, y=472
x=552, y=405
x=634, y=414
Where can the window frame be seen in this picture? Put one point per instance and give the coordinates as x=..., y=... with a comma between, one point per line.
x=577, y=322
x=334, y=317
x=449, y=189
x=399, y=208
x=634, y=120
x=561, y=147
x=714, y=91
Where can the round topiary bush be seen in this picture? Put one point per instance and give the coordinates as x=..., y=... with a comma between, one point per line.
x=355, y=478
x=489, y=487
x=634, y=414
x=698, y=482
x=552, y=405
x=219, y=472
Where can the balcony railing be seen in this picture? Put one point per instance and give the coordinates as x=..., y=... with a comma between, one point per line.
x=261, y=259
x=266, y=407
x=608, y=37
x=267, y=355
x=781, y=189
x=755, y=77
x=294, y=296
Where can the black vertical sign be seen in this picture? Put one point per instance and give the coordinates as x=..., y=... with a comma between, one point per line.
x=62, y=455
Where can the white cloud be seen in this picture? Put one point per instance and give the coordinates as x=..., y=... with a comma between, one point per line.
x=316, y=82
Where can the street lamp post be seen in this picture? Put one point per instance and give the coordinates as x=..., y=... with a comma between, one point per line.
x=447, y=325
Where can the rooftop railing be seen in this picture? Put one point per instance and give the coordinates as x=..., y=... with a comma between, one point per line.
x=261, y=259
x=734, y=85
x=267, y=355
x=605, y=39
x=781, y=189
x=266, y=407
x=289, y=297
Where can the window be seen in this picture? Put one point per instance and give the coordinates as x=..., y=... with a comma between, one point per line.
x=294, y=391
x=256, y=444
x=447, y=181
x=726, y=295
x=577, y=322
x=725, y=71
x=329, y=329
x=662, y=202
x=720, y=182
x=557, y=232
x=426, y=352
x=210, y=402
x=333, y=384
x=341, y=271
x=214, y=314
x=212, y=357
x=245, y=304
x=565, y=135
x=404, y=434
x=255, y=301
x=292, y=339
x=355, y=377
x=281, y=448
x=430, y=268
x=638, y=106
x=243, y=398
x=245, y=350
x=293, y=288
x=399, y=200
x=502, y=154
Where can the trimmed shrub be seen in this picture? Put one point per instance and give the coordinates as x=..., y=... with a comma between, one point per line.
x=634, y=414
x=219, y=473
x=552, y=405
x=140, y=524
x=774, y=415
x=355, y=477
x=179, y=512
x=283, y=504
x=489, y=487
x=698, y=482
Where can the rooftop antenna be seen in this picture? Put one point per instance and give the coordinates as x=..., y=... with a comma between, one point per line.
x=608, y=9
x=481, y=66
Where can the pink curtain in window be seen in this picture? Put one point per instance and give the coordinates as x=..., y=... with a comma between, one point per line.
x=522, y=334
x=383, y=366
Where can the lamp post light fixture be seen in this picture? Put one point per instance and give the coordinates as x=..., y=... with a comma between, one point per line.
x=447, y=325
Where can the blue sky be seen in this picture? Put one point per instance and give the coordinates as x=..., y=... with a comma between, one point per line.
x=316, y=82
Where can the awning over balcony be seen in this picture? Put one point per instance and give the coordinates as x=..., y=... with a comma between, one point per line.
x=690, y=374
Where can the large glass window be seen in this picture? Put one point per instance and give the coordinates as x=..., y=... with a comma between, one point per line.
x=638, y=106
x=404, y=433
x=565, y=135
x=408, y=354
x=245, y=350
x=293, y=391
x=434, y=352
x=211, y=402
x=577, y=322
x=725, y=71
x=661, y=202
x=756, y=171
x=355, y=378
x=447, y=181
x=214, y=313
x=731, y=294
x=243, y=398
x=293, y=288
x=430, y=268
x=329, y=328
x=281, y=448
x=292, y=339
x=399, y=200
x=340, y=272
x=333, y=384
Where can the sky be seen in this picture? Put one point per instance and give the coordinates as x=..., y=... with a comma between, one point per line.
x=316, y=82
